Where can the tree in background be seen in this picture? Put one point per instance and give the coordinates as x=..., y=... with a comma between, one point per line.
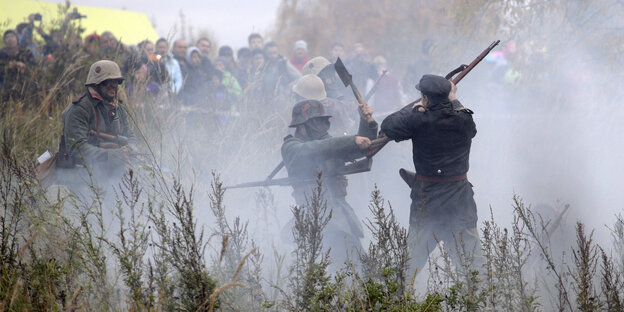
x=547, y=34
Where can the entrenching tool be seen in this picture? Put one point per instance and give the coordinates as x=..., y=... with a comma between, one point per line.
x=347, y=79
x=358, y=166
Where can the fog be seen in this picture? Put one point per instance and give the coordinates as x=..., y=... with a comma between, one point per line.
x=551, y=135
x=552, y=138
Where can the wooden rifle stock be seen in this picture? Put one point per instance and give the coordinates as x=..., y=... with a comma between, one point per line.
x=103, y=135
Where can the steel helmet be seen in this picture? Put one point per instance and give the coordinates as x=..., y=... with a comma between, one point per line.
x=315, y=65
x=306, y=110
x=103, y=70
x=310, y=87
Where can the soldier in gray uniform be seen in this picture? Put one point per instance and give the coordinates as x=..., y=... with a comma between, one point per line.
x=96, y=134
x=310, y=151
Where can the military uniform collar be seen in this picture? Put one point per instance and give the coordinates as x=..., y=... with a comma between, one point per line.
x=95, y=95
x=440, y=105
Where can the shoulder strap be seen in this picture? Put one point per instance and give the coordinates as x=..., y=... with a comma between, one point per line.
x=97, y=120
x=465, y=110
x=77, y=99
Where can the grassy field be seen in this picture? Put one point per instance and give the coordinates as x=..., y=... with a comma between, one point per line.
x=58, y=251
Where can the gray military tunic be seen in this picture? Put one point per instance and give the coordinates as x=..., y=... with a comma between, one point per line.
x=304, y=160
x=91, y=112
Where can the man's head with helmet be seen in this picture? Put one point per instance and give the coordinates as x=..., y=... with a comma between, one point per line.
x=105, y=77
x=310, y=120
x=324, y=69
x=309, y=87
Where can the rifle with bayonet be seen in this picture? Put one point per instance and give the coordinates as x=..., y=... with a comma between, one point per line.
x=118, y=141
x=375, y=86
x=461, y=72
x=111, y=141
x=358, y=166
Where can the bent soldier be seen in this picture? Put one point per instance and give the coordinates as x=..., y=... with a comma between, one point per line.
x=96, y=133
x=312, y=151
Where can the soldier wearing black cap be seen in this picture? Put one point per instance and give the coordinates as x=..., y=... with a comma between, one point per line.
x=443, y=208
x=310, y=151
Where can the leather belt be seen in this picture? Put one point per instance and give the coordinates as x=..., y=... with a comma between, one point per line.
x=441, y=179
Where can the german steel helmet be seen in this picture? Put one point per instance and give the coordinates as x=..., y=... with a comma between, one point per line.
x=103, y=70
x=306, y=110
x=315, y=65
x=310, y=87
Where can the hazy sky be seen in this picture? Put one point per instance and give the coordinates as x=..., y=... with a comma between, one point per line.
x=230, y=21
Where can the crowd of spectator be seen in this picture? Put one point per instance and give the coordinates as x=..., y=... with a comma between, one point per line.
x=260, y=75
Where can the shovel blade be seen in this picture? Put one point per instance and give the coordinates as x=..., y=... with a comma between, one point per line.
x=343, y=73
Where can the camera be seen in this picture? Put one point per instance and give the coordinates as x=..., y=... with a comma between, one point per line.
x=37, y=17
x=76, y=15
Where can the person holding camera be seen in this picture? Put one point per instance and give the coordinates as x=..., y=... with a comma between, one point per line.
x=14, y=61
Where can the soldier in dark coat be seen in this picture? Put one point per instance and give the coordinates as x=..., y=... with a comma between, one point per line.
x=89, y=119
x=443, y=208
x=310, y=151
x=15, y=65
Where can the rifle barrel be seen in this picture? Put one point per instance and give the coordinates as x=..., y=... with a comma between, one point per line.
x=379, y=143
x=475, y=62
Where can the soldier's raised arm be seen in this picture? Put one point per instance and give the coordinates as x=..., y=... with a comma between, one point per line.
x=339, y=147
x=401, y=125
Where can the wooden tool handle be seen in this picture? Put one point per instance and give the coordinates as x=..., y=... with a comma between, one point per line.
x=370, y=122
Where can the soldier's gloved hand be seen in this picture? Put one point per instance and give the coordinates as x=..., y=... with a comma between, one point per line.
x=362, y=142
x=451, y=95
x=365, y=110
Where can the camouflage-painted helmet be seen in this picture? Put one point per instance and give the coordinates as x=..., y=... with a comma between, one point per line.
x=306, y=110
x=315, y=65
x=310, y=87
x=103, y=70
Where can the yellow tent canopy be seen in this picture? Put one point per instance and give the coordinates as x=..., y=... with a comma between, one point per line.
x=129, y=27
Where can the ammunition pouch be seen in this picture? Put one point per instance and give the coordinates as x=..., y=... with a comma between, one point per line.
x=63, y=159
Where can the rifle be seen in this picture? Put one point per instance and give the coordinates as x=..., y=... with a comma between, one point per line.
x=549, y=228
x=463, y=70
x=375, y=86
x=358, y=166
x=117, y=142
x=287, y=181
x=115, y=139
